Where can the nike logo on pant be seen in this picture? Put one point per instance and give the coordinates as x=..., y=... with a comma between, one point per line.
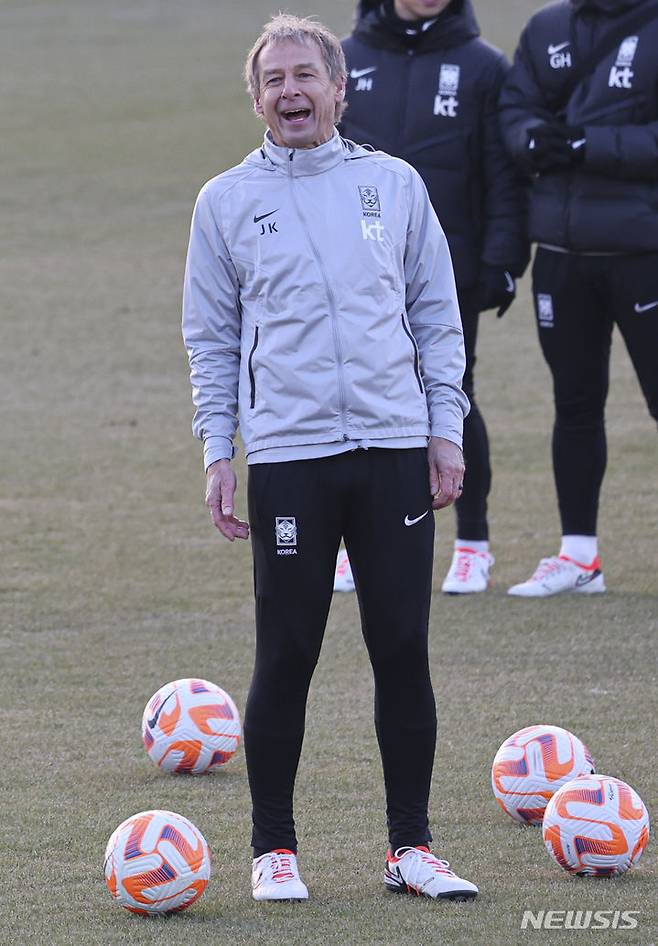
x=412, y=522
x=645, y=308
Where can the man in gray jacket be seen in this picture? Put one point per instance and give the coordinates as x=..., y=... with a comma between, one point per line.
x=320, y=312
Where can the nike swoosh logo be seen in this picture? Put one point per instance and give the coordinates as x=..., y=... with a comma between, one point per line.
x=511, y=287
x=645, y=308
x=262, y=216
x=412, y=522
x=151, y=723
x=396, y=876
x=556, y=49
x=357, y=73
x=585, y=579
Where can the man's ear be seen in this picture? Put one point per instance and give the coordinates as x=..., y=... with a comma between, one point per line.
x=258, y=108
x=340, y=90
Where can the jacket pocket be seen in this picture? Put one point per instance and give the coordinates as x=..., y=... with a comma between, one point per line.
x=416, y=353
x=250, y=364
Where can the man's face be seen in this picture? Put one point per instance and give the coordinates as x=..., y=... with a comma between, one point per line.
x=420, y=9
x=297, y=99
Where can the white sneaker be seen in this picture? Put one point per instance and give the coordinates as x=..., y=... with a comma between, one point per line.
x=274, y=876
x=468, y=572
x=343, y=579
x=416, y=870
x=559, y=573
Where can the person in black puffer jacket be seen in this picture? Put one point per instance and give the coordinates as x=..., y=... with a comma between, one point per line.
x=423, y=86
x=590, y=147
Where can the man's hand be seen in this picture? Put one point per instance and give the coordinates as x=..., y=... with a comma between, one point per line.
x=220, y=487
x=554, y=145
x=446, y=463
x=497, y=289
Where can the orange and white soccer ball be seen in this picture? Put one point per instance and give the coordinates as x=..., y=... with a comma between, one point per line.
x=156, y=862
x=531, y=765
x=596, y=825
x=191, y=726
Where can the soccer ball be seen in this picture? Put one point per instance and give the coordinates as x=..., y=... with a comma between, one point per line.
x=596, y=825
x=190, y=726
x=156, y=862
x=531, y=765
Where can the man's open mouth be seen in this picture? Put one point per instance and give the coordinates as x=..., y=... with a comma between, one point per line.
x=296, y=114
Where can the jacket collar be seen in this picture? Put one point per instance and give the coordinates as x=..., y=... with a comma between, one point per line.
x=302, y=162
x=606, y=7
x=380, y=27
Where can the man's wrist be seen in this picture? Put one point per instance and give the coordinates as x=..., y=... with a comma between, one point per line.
x=215, y=462
x=448, y=439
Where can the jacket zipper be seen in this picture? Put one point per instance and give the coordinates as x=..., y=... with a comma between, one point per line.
x=401, y=143
x=409, y=335
x=330, y=298
x=252, y=378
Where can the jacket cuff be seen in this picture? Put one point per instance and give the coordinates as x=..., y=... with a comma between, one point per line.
x=601, y=153
x=217, y=448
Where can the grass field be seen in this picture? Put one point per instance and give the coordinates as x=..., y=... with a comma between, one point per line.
x=112, y=580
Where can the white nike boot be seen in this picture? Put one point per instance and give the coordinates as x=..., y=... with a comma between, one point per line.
x=559, y=573
x=417, y=871
x=468, y=573
x=275, y=876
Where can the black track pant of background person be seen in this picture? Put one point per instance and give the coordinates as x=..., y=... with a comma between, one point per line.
x=471, y=507
x=379, y=501
x=578, y=299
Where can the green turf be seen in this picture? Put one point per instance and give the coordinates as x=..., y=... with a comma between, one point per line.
x=113, y=582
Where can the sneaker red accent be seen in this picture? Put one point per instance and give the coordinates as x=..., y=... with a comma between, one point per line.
x=596, y=563
x=416, y=870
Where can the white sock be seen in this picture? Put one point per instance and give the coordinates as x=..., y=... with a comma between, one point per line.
x=472, y=544
x=580, y=548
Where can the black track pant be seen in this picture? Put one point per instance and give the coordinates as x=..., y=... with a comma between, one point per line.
x=471, y=507
x=578, y=299
x=379, y=501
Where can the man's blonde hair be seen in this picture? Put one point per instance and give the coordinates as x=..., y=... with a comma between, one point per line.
x=285, y=26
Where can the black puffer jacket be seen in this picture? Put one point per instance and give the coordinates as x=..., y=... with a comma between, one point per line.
x=610, y=202
x=431, y=98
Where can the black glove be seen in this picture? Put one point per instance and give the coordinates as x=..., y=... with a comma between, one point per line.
x=554, y=145
x=497, y=289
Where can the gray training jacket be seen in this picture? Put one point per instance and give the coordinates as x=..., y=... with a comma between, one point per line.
x=319, y=304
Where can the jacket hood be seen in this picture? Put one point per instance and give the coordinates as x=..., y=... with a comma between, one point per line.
x=379, y=26
x=607, y=7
